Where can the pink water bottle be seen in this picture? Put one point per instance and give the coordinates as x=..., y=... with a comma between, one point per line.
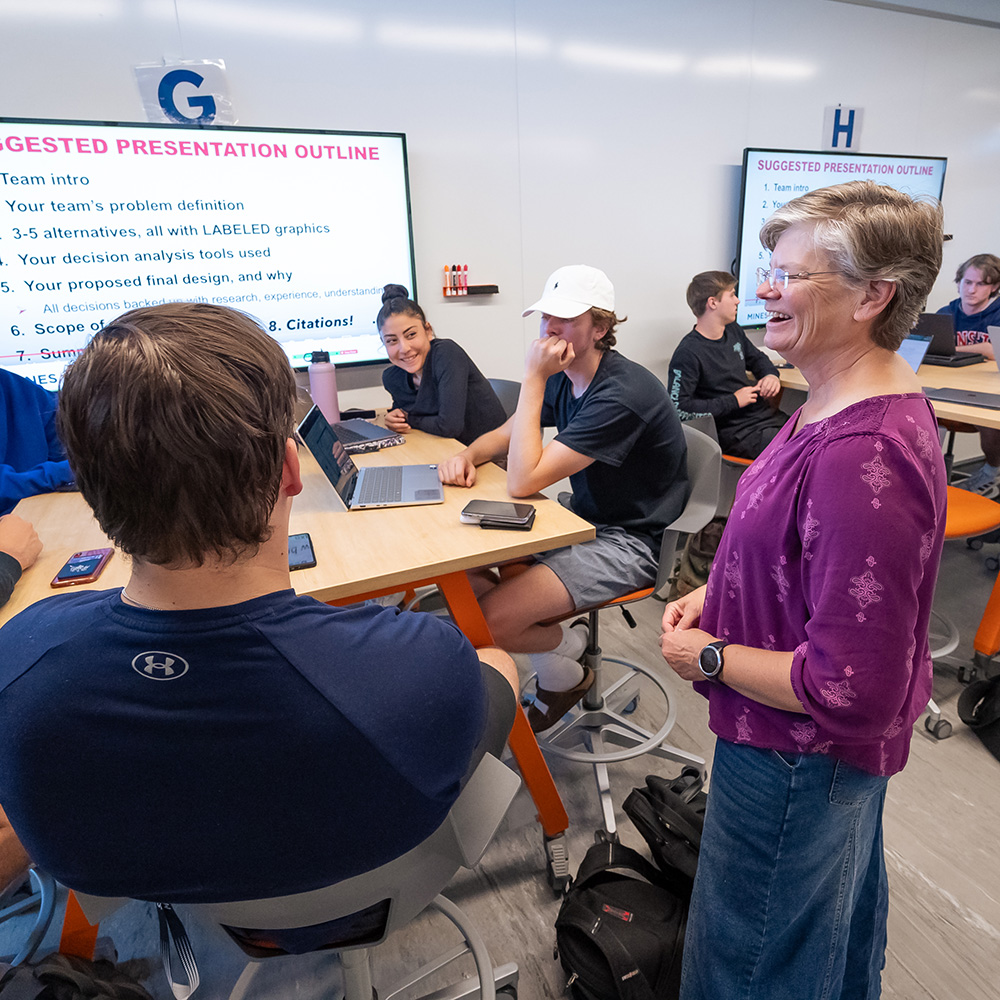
x=323, y=385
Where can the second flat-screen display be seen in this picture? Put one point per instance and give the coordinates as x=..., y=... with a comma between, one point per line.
x=772, y=177
x=301, y=229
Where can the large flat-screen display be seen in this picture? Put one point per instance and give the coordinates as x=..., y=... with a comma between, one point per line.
x=772, y=177
x=301, y=229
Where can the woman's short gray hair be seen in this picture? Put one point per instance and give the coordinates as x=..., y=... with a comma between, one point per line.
x=873, y=232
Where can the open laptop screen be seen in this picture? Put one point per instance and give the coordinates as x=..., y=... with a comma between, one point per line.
x=322, y=441
x=913, y=349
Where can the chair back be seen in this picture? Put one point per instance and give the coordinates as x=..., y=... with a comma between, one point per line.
x=704, y=463
x=507, y=391
x=397, y=891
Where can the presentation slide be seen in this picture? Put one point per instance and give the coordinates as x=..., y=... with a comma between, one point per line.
x=772, y=177
x=299, y=229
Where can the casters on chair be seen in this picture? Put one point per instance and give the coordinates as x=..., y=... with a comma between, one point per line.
x=557, y=864
x=940, y=729
x=966, y=675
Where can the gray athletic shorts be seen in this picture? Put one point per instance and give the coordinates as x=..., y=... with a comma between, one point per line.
x=612, y=565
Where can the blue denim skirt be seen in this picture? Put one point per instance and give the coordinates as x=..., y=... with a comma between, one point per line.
x=791, y=897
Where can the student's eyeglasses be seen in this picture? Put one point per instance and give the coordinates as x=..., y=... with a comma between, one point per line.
x=776, y=276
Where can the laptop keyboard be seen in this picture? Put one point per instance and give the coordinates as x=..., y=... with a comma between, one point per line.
x=347, y=436
x=381, y=485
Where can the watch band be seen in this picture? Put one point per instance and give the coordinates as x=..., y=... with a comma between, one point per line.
x=711, y=661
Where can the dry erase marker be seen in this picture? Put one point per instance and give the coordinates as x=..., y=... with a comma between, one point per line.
x=446, y=287
x=454, y=279
x=465, y=279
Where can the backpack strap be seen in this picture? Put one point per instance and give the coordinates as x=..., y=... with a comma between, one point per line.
x=979, y=703
x=172, y=932
x=609, y=855
x=631, y=983
x=19, y=982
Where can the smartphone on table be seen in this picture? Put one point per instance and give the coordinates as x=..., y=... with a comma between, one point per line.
x=498, y=514
x=300, y=551
x=82, y=567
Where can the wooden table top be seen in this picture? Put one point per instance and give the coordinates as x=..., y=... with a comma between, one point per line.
x=979, y=378
x=356, y=551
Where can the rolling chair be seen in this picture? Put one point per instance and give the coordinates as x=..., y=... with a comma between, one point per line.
x=353, y=916
x=583, y=734
x=968, y=515
x=507, y=391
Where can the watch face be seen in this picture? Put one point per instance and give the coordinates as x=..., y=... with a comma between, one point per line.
x=710, y=660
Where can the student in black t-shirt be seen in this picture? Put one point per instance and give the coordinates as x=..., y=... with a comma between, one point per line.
x=622, y=446
x=708, y=372
x=434, y=384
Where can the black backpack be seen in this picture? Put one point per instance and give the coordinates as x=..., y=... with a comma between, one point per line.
x=620, y=929
x=670, y=815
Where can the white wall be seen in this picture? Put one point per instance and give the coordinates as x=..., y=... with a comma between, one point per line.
x=545, y=132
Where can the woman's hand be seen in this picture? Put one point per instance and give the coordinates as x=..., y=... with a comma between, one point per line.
x=395, y=420
x=682, y=642
x=685, y=612
x=681, y=650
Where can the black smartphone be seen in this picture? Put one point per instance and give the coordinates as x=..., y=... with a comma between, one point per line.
x=82, y=567
x=300, y=551
x=497, y=512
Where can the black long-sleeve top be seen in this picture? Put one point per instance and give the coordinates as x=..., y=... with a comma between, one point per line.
x=453, y=398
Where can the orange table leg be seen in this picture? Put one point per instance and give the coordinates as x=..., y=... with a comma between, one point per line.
x=469, y=617
x=79, y=935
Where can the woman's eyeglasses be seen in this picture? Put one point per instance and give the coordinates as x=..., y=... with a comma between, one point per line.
x=776, y=276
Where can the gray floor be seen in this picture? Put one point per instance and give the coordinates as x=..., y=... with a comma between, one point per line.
x=941, y=826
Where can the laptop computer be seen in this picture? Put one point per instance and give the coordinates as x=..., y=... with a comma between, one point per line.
x=383, y=486
x=988, y=400
x=941, y=327
x=994, y=332
x=357, y=435
x=913, y=349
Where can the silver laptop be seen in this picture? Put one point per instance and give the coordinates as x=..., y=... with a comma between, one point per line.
x=382, y=486
x=968, y=397
x=357, y=435
x=913, y=349
x=994, y=332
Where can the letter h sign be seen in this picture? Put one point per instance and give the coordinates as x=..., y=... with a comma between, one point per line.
x=842, y=129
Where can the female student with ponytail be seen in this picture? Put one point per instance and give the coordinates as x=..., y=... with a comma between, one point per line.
x=434, y=384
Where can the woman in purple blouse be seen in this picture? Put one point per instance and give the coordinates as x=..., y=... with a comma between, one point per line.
x=810, y=640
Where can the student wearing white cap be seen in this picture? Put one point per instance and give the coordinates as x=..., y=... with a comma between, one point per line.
x=621, y=444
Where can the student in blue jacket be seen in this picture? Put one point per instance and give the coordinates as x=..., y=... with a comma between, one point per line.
x=32, y=459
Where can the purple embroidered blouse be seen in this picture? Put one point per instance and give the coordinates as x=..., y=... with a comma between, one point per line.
x=832, y=551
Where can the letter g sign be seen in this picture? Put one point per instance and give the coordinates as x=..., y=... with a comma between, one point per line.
x=166, y=91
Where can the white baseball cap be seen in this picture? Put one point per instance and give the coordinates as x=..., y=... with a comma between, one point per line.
x=572, y=290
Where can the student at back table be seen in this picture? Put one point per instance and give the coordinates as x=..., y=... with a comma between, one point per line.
x=708, y=372
x=621, y=444
x=975, y=310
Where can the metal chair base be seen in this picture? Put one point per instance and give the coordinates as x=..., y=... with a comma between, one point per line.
x=585, y=734
x=357, y=974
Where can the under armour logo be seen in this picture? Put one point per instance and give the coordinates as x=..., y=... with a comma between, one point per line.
x=155, y=665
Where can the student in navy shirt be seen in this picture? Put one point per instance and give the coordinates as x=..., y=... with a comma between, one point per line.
x=204, y=733
x=620, y=443
x=975, y=310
